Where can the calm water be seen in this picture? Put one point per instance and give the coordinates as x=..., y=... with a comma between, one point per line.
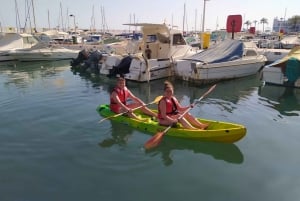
x=53, y=148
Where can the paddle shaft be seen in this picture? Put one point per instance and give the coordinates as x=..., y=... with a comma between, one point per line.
x=182, y=115
x=198, y=100
x=116, y=115
x=156, y=139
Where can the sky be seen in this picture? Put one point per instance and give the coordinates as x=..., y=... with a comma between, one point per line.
x=118, y=12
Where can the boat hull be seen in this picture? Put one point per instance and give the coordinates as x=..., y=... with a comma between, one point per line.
x=45, y=54
x=273, y=55
x=217, y=131
x=284, y=72
x=205, y=73
x=229, y=59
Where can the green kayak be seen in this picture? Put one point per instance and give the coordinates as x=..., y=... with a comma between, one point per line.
x=217, y=131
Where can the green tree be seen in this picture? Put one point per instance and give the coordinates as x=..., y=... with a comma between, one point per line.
x=294, y=23
x=264, y=21
x=255, y=21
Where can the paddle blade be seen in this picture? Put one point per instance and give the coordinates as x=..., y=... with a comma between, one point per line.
x=157, y=99
x=154, y=141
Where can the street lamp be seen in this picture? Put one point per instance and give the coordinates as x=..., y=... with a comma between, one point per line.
x=74, y=22
x=204, y=14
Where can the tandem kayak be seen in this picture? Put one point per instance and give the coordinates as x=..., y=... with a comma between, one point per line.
x=217, y=131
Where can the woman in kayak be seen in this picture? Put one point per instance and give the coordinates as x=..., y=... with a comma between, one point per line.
x=169, y=111
x=119, y=101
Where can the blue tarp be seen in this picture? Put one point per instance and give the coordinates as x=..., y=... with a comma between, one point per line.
x=227, y=50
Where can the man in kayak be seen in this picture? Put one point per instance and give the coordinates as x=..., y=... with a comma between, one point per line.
x=169, y=111
x=119, y=101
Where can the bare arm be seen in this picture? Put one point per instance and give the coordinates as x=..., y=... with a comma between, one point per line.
x=136, y=99
x=180, y=108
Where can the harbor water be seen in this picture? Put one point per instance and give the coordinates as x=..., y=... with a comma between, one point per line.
x=53, y=148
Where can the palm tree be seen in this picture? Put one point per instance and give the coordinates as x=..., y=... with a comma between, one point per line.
x=264, y=21
x=255, y=21
x=248, y=23
x=294, y=22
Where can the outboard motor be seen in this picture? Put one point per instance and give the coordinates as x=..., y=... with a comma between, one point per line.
x=82, y=56
x=122, y=68
x=93, y=61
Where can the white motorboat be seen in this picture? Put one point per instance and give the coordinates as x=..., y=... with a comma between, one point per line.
x=41, y=52
x=14, y=41
x=290, y=41
x=273, y=54
x=227, y=60
x=286, y=71
x=158, y=49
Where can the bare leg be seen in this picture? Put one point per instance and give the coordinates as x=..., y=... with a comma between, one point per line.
x=148, y=112
x=144, y=109
x=186, y=124
x=129, y=114
x=182, y=121
x=195, y=122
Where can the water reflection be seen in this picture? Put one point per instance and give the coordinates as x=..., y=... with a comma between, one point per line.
x=230, y=153
x=226, y=95
x=219, y=151
x=22, y=74
x=286, y=100
x=228, y=91
x=120, y=134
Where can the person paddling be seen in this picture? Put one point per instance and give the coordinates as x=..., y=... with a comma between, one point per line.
x=119, y=101
x=169, y=110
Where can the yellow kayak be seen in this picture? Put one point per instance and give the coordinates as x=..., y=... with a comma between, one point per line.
x=217, y=131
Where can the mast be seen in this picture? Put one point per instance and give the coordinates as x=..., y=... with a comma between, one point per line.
x=62, y=19
x=195, y=21
x=48, y=20
x=103, y=19
x=203, y=15
x=18, y=25
x=183, y=18
x=33, y=16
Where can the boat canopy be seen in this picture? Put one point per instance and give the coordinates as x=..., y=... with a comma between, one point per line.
x=227, y=50
x=294, y=53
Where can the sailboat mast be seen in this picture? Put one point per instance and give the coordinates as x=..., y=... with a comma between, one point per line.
x=93, y=26
x=183, y=18
x=18, y=24
x=62, y=19
x=33, y=16
x=48, y=20
x=195, y=21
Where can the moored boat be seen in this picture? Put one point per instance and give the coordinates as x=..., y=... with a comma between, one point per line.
x=227, y=60
x=217, y=131
x=158, y=49
x=284, y=72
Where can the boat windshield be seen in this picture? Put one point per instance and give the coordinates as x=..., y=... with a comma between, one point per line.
x=178, y=40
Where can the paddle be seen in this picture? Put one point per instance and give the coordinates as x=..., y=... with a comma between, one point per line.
x=157, y=138
x=156, y=100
